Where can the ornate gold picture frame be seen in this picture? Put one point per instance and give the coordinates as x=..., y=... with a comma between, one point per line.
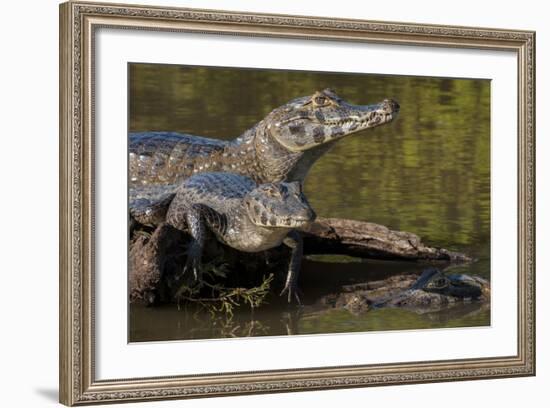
x=79, y=23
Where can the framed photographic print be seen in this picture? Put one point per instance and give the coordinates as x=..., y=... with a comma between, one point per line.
x=262, y=203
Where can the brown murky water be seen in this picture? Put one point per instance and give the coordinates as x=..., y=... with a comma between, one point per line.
x=428, y=173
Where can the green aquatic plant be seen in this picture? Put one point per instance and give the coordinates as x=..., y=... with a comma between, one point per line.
x=212, y=295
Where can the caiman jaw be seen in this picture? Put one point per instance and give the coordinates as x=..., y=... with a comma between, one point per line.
x=365, y=117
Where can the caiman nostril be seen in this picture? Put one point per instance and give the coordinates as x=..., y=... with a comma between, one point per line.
x=395, y=106
x=392, y=105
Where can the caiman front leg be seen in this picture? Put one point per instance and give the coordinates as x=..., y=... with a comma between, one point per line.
x=190, y=219
x=197, y=230
x=295, y=242
x=196, y=219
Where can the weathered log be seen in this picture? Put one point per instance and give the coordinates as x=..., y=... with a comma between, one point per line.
x=373, y=241
x=155, y=260
x=146, y=260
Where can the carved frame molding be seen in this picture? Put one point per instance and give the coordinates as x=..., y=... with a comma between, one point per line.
x=78, y=22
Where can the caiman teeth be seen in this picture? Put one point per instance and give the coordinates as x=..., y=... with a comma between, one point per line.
x=344, y=122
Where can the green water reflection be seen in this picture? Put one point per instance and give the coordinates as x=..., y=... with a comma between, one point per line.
x=428, y=172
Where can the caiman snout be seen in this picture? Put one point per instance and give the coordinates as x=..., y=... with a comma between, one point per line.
x=390, y=105
x=309, y=215
x=303, y=218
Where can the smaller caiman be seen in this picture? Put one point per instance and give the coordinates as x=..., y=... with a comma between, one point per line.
x=243, y=215
x=431, y=291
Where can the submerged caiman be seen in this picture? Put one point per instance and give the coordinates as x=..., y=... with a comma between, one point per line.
x=281, y=147
x=432, y=290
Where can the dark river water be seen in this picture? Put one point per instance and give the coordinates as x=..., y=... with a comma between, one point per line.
x=428, y=172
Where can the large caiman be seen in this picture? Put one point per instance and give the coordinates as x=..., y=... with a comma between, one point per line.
x=280, y=148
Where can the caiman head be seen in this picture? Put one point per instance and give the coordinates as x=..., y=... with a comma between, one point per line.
x=279, y=205
x=457, y=285
x=434, y=290
x=310, y=121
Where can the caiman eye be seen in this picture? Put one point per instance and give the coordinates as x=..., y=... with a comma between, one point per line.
x=320, y=100
x=440, y=282
x=272, y=191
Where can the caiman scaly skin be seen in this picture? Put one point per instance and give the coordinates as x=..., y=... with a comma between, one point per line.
x=281, y=147
x=436, y=289
x=242, y=215
x=433, y=290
